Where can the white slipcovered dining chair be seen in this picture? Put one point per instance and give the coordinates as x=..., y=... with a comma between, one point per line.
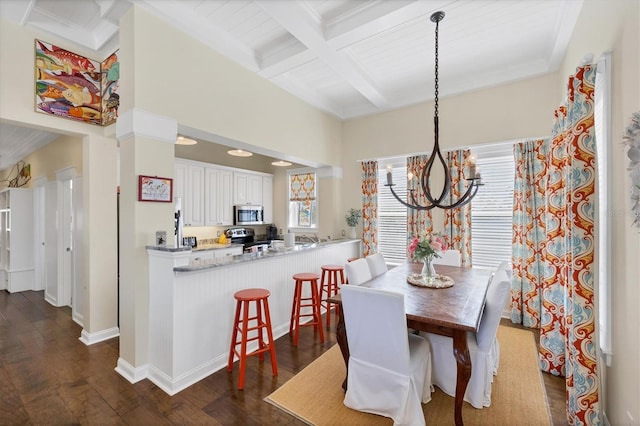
x=481, y=347
x=389, y=369
x=505, y=266
x=377, y=264
x=357, y=271
x=449, y=257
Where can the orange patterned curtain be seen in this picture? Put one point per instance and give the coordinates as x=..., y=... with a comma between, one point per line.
x=303, y=187
x=528, y=253
x=457, y=222
x=369, y=207
x=567, y=330
x=418, y=221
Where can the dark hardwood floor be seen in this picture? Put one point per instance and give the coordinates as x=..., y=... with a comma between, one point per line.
x=47, y=376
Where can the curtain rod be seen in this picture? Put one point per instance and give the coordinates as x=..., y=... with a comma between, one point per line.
x=471, y=147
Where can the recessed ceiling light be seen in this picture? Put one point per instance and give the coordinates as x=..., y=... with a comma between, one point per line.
x=181, y=140
x=281, y=163
x=239, y=153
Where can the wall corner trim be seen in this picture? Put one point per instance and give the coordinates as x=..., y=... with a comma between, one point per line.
x=100, y=336
x=131, y=373
x=138, y=122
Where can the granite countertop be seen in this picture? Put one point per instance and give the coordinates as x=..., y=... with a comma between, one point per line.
x=198, y=265
x=200, y=247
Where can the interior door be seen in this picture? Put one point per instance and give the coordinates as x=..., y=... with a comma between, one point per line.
x=66, y=237
x=51, y=243
x=39, y=237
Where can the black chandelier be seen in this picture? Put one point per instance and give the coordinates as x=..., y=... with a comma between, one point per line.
x=474, y=178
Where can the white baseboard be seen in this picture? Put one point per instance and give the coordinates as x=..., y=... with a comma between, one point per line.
x=131, y=373
x=172, y=387
x=100, y=336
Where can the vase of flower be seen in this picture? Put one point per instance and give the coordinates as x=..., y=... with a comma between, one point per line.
x=427, y=247
x=352, y=218
x=428, y=271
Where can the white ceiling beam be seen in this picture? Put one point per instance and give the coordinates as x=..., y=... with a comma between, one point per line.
x=302, y=25
x=353, y=28
x=184, y=18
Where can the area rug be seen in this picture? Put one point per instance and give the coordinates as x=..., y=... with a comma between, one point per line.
x=518, y=397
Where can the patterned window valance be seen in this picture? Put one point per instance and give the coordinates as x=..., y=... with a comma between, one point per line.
x=303, y=187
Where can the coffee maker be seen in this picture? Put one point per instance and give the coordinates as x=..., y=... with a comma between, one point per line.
x=272, y=232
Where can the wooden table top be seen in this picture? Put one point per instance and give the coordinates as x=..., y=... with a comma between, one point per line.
x=458, y=307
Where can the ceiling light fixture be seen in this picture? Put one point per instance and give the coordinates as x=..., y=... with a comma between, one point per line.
x=281, y=163
x=239, y=153
x=439, y=201
x=181, y=140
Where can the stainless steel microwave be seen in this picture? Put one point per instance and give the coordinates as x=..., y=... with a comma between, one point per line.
x=248, y=215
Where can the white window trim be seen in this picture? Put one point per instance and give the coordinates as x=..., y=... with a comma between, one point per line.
x=602, y=123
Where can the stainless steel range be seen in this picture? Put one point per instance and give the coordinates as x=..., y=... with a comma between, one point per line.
x=246, y=237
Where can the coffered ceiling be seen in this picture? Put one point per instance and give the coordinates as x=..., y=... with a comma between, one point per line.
x=350, y=58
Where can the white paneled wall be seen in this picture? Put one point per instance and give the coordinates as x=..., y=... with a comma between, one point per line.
x=192, y=312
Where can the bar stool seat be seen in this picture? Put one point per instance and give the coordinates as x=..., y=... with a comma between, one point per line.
x=300, y=302
x=259, y=323
x=329, y=285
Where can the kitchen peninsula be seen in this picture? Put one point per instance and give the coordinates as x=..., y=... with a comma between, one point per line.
x=191, y=303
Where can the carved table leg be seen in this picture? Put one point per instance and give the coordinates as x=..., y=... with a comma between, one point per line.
x=463, y=361
x=341, y=337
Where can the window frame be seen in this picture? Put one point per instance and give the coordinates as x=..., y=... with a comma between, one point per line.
x=314, y=225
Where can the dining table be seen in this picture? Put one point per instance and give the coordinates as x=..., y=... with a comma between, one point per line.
x=450, y=311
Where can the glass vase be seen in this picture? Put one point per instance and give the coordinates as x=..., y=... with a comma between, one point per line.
x=428, y=271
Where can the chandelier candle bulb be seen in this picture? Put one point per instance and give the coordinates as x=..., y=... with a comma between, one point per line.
x=389, y=178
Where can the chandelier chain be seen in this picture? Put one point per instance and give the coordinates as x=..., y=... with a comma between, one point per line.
x=434, y=200
x=436, y=72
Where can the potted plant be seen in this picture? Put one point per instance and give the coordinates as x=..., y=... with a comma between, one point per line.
x=352, y=218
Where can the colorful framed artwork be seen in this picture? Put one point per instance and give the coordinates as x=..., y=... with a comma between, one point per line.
x=72, y=86
x=153, y=188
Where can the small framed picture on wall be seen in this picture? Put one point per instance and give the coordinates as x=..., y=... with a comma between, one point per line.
x=153, y=188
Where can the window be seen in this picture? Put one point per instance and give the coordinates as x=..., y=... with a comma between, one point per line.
x=392, y=216
x=492, y=211
x=303, y=205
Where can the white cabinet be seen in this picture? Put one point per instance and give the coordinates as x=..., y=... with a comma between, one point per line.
x=267, y=198
x=16, y=240
x=218, y=196
x=189, y=186
x=247, y=189
x=208, y=192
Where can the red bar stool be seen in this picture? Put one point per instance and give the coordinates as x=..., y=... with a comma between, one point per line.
x=242, y=328
x=329, y=284
x=299, y=302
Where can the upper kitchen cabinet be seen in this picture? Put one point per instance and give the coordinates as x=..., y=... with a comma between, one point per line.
x=209, y=191
x=189, y=186
x=267, y=198
x=16, y=239
x=247, y=189
x=218, y=197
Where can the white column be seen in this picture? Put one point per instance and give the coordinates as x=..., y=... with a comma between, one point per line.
x=146, y=148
